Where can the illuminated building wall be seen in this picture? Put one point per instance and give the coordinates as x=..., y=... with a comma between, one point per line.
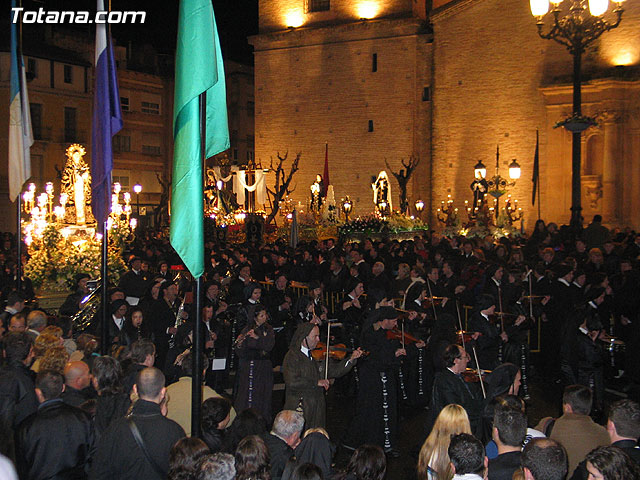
x=496, y=82
x=362, y=86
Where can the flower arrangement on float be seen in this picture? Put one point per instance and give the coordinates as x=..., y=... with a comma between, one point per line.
x=59, y=251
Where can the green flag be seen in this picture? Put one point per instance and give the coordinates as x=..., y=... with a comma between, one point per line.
x=199, y=69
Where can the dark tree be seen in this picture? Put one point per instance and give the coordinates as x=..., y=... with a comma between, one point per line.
x=403, y=176
x=282, y=186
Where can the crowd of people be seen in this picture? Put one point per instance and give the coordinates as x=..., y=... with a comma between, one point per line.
x=456, y=326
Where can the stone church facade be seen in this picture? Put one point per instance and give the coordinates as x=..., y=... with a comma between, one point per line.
x=448, y=81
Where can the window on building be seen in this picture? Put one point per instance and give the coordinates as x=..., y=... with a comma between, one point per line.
x=70, y=125
x=36, y=120
x=151, y=150
x=124, y=104
x=426, y=94
x=371, y=125
x=151, y=107
x=374, y=62
x=234, y=138
x=251, y=108
x=32, y=68
x=121, y=143
x=123, y=180
x=68, y=74
x=318, y=5
x=251, y=141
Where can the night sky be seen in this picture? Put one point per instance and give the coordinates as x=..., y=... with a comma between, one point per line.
x=237, y=19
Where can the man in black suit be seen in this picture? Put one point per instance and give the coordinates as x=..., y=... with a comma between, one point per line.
x=283, y=439
x=450, y=387
x=163, y=314
x=135, y=282
x=158, y=435
x=57, y=440
x=487, y=336
x=17, y=395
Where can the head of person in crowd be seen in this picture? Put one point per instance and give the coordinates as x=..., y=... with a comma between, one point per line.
x=252, y=459
x=116, y=294
x=467, y=455
x=80, y=284
x=135, y=317
x=217, y=466
x=184, y=457
x=247, y=422
x=49, y=385
x=577, y=399
x=37, y=320
x=544, y=459
x=54, y=359
x=456, y=358
x=453, y=419
x=404, y=271
x=186, y=366
x=307, y=471
x=260, y=316
x=15, y=302
x=288, y=426
x=44, y=342
x=509, y=428
x=135, y=264
x=216, y=413
x=77, y=375
x=485, y=304
x=253, y=292
x=150, y=385
x=623, y=421
x=87, y=343
x=611, y=463
x=368, y=462
x=244, y=273
x=163, y=267
x=119, y=308
x=107, y=376
x=18, y=348
x=212, y=291
x=503, y=380
x=143, y=352
x=18, y=322
x=65, y=324
x=563, y=272
x=168, y=292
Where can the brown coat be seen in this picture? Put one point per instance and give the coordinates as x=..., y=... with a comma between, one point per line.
x=578, y=434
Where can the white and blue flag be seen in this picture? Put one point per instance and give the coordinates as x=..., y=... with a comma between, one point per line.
x=20, y=133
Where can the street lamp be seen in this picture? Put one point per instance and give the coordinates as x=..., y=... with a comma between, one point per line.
x=346, y=207
x=419, y=208
x=576, y=30
x=137, y=188
x=480, y=170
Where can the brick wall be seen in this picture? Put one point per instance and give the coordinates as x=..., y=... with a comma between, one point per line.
x=327, y=92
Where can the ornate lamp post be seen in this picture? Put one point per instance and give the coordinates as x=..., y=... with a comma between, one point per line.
x=576, y=30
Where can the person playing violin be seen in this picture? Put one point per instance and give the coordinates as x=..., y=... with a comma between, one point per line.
x=376, y=418
x=450, y=386
x=304, y=377
x=487, y=335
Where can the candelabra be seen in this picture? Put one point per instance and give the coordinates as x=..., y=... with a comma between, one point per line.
x=447, y=213
x=347, y=206
x=576, y=30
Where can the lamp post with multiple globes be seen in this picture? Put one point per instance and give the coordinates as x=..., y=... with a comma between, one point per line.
x=576, y=28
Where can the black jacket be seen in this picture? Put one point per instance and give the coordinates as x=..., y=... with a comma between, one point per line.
x=55, y=443
x=118, y=455
x=450, y=388
x=280, y=454
x=503, y=466
x=17, y=394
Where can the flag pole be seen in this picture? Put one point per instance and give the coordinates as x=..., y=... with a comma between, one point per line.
x=19, y=205
x=105, y=292
x=196, y=374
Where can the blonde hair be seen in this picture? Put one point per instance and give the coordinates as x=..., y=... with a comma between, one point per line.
x=43, y=342
x=452, y=419
x=55, y=358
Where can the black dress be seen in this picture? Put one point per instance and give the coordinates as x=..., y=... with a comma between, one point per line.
x=255, y=373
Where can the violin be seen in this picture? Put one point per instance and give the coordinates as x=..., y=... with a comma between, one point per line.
x=471, y=375
x=468, y=336
x=396, y=334
x=336, y=352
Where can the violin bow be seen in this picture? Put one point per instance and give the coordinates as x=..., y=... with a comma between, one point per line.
x=479, y=370
x=460, y=323
x=433, y=305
